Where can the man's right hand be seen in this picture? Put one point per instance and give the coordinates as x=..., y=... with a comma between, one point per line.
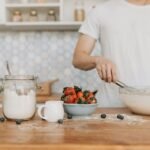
x=106, y=69
x=82, y=59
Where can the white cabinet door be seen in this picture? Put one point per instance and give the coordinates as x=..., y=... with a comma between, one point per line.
x=2, y=11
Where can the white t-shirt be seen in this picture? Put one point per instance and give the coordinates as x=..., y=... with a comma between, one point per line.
x=123, y=30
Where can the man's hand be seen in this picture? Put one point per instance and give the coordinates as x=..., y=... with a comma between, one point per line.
x=83, y=60
x=106, y=69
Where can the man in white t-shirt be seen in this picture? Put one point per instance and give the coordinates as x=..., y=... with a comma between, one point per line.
x=123, y=29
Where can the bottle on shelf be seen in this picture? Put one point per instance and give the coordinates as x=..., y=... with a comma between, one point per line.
x=17, y=16
x=51, y=15
x=79, y=12
x=41, y=1
x=24, y=1
x=13, y=2
x=33, y=16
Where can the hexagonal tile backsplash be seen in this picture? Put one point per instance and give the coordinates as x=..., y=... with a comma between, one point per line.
x=47, y=55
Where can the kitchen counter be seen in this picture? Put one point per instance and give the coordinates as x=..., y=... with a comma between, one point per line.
x=88, y=134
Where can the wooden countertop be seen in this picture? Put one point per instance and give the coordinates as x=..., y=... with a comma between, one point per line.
x=130, y=133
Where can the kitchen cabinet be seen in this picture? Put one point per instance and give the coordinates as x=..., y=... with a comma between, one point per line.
x=64, y=10
x=74, y=134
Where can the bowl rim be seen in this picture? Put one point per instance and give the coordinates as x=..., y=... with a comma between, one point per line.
x=137, y=91
x=80, y=104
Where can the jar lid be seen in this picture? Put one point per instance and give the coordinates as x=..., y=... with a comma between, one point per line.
x=51, y=12
x=17, y=12
x=33, y=13
x=19, y=77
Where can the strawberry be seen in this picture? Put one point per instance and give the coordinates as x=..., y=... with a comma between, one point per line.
x=70, y=99
x=75, y=95
x=94, y=101
x=80, y=100
x=69, y=91
x=79, y=94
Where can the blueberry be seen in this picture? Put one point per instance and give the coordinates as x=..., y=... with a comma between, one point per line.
x=69, y=116
x=60, y=121
x=18, y=122
x=103, y=116
x=2, y=119
x=121, y=117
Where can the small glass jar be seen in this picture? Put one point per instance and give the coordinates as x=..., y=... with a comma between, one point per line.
x=51, y=16
x=24, y=1
x=33, y=16
x=17, y=16
x=41, y=1
x=19, y=97
x=79, y=12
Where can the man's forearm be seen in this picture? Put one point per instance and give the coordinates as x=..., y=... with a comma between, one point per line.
x=84, y=62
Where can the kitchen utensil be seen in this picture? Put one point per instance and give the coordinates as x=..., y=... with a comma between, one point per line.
x=53, y=111
x=9, y=73
x=8, y=68
x=123, y=85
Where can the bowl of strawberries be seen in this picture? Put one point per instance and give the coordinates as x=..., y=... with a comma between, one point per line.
x=78, y=102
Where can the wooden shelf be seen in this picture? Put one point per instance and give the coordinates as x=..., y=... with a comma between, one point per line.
x=60, y=25
x=65, y=18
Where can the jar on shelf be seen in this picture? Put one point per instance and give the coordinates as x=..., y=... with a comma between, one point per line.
x=24, y=1
x=17, y=16
x=51, y=16
x=79, y=12
x=41, y=1
x=33, y=16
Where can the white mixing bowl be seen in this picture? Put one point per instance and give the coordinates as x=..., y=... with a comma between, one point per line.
x=137, y=100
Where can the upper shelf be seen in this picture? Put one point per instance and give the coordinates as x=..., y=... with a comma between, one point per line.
x=64, y=10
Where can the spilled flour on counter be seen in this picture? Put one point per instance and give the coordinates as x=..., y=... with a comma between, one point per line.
x=51, y=127
x=112, y=118
x=79, y=123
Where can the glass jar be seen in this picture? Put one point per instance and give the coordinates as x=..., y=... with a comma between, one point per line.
x=79, y=12
x=24, y=1
x=19, y=97
x=51, y=15
x=17, y=16
x=33, y=16
x=41, y=1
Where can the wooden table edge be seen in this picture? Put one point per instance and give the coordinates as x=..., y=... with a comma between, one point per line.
x=72, y=147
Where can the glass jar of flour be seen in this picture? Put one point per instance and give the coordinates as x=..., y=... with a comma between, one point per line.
x=19, y=97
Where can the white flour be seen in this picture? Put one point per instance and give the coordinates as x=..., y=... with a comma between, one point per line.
x=19, y=106
x=44, y=126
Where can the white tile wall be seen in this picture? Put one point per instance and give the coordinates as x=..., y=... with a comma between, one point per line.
x=46, y=54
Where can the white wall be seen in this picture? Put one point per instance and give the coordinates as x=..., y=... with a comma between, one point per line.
x=2, y=11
